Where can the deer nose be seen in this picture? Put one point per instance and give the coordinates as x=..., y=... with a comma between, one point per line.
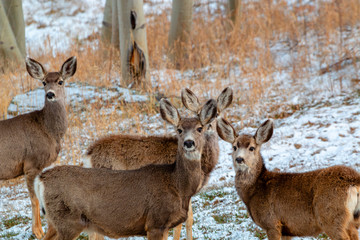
x=189, y=143
x=50, y=95
x=239, y=160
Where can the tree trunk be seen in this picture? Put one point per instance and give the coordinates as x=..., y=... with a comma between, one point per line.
x=9, y=50
x=15, y=15
x=133, y=44
x=234, y=11
x=106, y=30
x=115, y=41
x=181, y=19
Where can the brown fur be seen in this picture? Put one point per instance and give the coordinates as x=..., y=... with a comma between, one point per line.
x=293, y=204
x=127, y=152
x=117, y=203
x=31, y=142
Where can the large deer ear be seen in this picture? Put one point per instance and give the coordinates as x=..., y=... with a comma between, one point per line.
x=68, y=68
x=190, y=100
x=35, y=69
x=208, y=112
x=225, y=131
x=264, y=132
x=225, y=99
x=169, y=113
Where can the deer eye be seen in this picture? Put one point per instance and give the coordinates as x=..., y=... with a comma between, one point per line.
x=60, y=82
x=234, y=147
x=251, y=149
x=179, y=130
x=44, y=83
x=199, y=129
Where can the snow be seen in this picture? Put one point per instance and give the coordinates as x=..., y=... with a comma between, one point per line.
x=324, y=132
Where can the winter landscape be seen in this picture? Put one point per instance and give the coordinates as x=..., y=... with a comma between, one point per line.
x=296, y=62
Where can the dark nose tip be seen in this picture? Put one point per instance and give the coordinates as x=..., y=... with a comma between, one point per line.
x=239, y=160
x=50, y=95
x=189, y=143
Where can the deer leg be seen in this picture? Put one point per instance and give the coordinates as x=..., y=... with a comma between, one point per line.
x=189, y=223
x=177, y=232
x=51, y=232
x=156, y=234
x=68, y=232
x=273, y=234
x=353, y=232
x=337, y=234
x=95, y=236
x=286, y=238
x=166, y=235
x=35, y=206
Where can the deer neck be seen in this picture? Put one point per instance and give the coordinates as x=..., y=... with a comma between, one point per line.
x=187, y=175
x=55, y=118
x=210, y=153
x=249, y=182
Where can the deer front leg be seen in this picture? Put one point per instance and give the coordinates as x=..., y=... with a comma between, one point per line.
x=189, y=223
x=156, y=234
x=35, y=206
x=273, y=234
x=166, y=235
x=95, y=236
x=51, y=232
x=177, y=232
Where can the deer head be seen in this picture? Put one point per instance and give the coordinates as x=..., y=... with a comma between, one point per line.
x=190, y=131
x=246, y=148
x=53, y=81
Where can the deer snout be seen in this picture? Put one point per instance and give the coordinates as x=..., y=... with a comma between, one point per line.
x=239, y=160
x=50, y=95
x=189, y=144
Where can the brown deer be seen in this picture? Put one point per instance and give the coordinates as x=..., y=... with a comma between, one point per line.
x=128, y=152
x=119, y=203
x=293, y=204
x=31, y=142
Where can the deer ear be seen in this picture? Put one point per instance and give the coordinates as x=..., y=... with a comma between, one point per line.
x=68, y=68
x=169, y=113
x=35, y=69
x=225, y=131
x=208, y=112
x=225, y=99
x=264, y=132
x=190, y=100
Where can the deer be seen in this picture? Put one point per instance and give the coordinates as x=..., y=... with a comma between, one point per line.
x=292, y=204
x=32, y=141
x=128, y=152
x=120, y=203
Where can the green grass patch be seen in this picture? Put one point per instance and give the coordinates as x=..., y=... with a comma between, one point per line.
x=222, y=218
x=11, y=222
x=211, y=195
x=8, y=235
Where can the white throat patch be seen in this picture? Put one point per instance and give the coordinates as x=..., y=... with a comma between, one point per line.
x=193, y=155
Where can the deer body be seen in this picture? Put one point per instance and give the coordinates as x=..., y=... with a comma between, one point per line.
x=117, y=203
x=127, y=152
x=293, y=204
x=31, y=142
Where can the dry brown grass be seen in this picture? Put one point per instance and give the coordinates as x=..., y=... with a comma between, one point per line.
x=215, y=51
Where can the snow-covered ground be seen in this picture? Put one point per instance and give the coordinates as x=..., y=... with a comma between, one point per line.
x=316, y=137
x=324, y=132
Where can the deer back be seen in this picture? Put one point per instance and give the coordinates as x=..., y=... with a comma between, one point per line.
x=127, y=152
